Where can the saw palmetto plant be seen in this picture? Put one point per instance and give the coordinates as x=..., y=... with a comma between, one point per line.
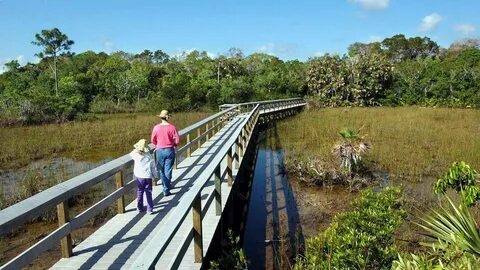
x=454, y=226
x=350, y=149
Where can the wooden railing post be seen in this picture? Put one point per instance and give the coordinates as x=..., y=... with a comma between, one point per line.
x=244, y=141
x=218, y=191
x=119, y=184
x=197, y=229
x=208, y=132
x=63, y=217
x=229, y=167
x=240, y=143
x=189, y=149
x=199, y=141
x=237, y=153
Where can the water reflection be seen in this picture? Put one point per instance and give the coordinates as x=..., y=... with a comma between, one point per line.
x=273, y=234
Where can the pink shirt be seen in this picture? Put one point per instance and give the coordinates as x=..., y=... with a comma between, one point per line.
x=165, y=136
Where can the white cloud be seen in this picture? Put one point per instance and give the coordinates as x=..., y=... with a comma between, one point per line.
x=20, y=59
x=373, y=4
x=465, y=29
x=318, y=54
x=374, y=38
x=430, y=22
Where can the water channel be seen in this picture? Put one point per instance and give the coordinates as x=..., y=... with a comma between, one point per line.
x=272, y=232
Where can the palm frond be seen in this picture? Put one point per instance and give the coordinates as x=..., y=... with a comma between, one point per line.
x=455, y=226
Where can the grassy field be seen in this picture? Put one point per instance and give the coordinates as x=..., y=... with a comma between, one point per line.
x=109, y=136
x=407, y=142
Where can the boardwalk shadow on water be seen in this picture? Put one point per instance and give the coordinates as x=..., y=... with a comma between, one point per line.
x=181, y=184
x=273, y=233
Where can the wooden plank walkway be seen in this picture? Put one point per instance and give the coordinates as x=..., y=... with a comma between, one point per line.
x=118, y=243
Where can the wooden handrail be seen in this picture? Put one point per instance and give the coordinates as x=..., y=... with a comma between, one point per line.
x=157, y=245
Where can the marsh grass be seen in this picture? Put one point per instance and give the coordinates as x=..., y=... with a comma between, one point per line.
x=409, y=143
x=108, y=137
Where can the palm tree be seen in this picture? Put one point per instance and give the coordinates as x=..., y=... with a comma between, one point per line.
x=349, y=151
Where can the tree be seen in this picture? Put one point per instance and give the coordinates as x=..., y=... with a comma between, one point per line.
x=54, y=44
x=399, y=48
x=160, y=57
x=327, y=78
x=369, y=76
x=359, y=48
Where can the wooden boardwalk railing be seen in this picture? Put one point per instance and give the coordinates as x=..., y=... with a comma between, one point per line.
x=23, y=212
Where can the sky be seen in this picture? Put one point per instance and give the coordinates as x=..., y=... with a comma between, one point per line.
x=285, y=28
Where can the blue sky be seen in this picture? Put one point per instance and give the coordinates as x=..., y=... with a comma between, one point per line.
x=287, y=29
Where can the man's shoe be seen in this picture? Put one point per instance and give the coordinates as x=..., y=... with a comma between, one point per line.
x=167, y=193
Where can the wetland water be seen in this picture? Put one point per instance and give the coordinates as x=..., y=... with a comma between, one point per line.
x=282, y=212
x=272, y=233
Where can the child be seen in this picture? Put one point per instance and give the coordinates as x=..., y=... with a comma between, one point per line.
x=143, y=170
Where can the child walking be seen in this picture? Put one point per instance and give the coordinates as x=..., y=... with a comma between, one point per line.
x=143, y=170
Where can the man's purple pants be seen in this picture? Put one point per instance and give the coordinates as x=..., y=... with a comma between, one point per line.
x=144, y=185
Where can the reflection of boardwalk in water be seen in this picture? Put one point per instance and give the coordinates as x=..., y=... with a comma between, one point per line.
x=273, y=230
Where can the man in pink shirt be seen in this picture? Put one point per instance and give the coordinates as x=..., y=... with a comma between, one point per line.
x=165, y=138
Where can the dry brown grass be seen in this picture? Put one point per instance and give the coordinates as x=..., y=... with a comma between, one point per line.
x=407, y=142
x=108, y=137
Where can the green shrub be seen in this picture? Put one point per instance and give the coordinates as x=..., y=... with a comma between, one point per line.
x=361, y=238
x=462, y=179
x=451, y=260
x=233, y=256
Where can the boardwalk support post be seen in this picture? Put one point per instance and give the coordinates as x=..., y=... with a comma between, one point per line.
x=63, y=217
x=119, y=184
x=197, y=229
x=229, y=168
x=218, y=191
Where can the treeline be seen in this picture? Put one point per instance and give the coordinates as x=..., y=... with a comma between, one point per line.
x=399, y=71
x=148, y=81
x=396, y=71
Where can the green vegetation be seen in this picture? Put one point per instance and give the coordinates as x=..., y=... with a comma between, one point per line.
x=453, y=226
x=361, y=238
x=397, y=71
x=232, y=257
x=456, y=241
x=454, y=230
x=409, y=143
x=462, y=179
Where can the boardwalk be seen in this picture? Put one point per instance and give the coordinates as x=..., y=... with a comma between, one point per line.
x=122, y=239
x=169, y=238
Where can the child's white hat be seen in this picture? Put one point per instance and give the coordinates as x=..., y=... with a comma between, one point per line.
x=141, y=145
